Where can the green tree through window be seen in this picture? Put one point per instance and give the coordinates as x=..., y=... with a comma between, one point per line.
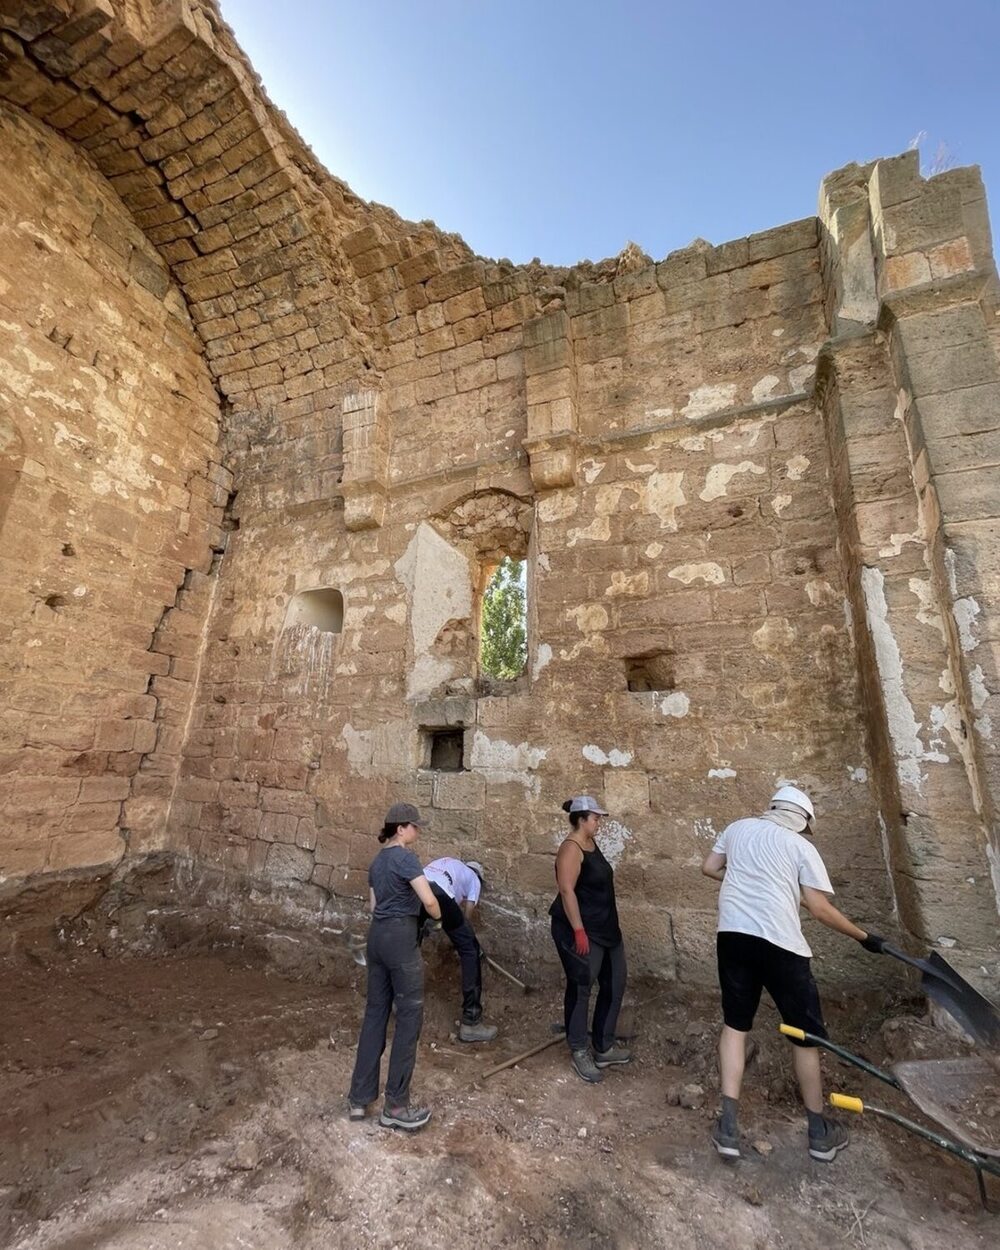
x=504, y=648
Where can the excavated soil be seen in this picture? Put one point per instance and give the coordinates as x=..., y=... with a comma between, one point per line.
x=193, y=1101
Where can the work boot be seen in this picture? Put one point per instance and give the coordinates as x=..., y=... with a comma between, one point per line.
x=612, y=1057
x=583, y=1063
x=408, y=1118
x=727, y=1144
x=477, y=1032
x=357, y=1112
x=829, y=1143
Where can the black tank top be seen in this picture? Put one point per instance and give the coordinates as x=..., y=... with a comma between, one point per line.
x=595, y=896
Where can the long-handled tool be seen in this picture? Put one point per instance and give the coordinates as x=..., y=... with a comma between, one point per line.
x=944, y=986
x=525, y=989
x=525, y=1054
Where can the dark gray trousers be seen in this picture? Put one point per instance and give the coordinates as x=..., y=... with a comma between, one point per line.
x=605, y=965
x=395, y=976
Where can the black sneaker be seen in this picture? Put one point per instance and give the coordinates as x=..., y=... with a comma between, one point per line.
x=826, y=1147
x=727, y=1144
x=477, y=1032
x=409, y=1119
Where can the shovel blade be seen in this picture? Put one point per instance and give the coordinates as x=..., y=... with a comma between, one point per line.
x=976, y=1014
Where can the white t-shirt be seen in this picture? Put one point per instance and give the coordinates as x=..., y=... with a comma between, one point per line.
x=765, y=866
x=455, y=878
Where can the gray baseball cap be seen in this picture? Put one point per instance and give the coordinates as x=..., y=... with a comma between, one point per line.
x=584, y=803
x=403, y=814
x=476, y=867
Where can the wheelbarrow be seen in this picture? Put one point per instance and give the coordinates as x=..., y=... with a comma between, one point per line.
x=961, y=1095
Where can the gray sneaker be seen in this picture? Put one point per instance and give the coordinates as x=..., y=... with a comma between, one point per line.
x=727, y=1144
x=356, y=1112
x=477, y=1032
x=583, y=1063
x=827, y=1147
x=408, y=1118
x=612, y=1057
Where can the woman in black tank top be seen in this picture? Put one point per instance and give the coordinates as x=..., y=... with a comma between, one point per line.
x=589, y=942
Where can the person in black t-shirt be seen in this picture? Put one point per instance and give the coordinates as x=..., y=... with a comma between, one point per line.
x=589, y=941
x=396, y=889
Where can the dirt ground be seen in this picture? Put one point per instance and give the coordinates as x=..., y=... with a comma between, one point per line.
x=197, y=1101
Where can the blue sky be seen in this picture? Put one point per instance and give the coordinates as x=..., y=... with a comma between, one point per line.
x=563, y=129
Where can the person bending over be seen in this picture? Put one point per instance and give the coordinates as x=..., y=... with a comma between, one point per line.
x=767, y=867
x=457, y=887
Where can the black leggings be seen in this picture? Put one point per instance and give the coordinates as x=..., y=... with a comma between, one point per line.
x=605, y=965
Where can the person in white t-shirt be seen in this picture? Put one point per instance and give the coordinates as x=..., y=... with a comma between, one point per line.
x=457, y=887
x=767, y=869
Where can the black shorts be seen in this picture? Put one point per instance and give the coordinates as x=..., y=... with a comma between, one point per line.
x=749, y=964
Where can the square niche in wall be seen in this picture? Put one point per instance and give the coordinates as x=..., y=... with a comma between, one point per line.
x=654, y=671
x=322, y=609
x=444, y=750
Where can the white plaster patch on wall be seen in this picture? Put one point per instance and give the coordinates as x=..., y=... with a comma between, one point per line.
x=944, y=720
x=709, y=572
x=765, y=388
x=904, y=728
x=660, y=414
x=777, y=333
x=644, y=469
x=614, y=757
x=780, y=502
x=694, y=442
x=440, y=585
x=951, y=571
x=965, y=612
x=589, y=617
x=796, y=467
x=653, y=550
x=928, y=613
x=592, y=469
x=708, y=399
x=897, y=542
x=984, y=727
x=799, y=379
x=663, y=496
x=820, y=592
x=599, y=530
x=676, y=704
x=503, y=761
x=543, y=561
x=720, y=475
x=396, y=612
x=705, y=831
x=624, y=584
x=776, y=634
x=857, y=774
x=542, y=657
x=977, y=686
x=557, y=506
x=613, y=836
x=723, y=774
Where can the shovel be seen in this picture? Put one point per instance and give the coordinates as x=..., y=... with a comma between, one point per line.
x=943, y=985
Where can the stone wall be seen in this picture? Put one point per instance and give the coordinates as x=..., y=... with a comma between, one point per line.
x=754, y=484
x=112, y=504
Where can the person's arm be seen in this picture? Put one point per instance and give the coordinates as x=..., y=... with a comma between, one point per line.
x=371, y=899
x=568, y=864
x=820, y=908
x=714, y=865
x=422, y=888
x=468, y=907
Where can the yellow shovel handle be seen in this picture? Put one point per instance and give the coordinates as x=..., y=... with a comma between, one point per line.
x=845, y=1102
x=790, y=1030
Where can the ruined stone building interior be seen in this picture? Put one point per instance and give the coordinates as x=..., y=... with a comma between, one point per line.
x=262, y=445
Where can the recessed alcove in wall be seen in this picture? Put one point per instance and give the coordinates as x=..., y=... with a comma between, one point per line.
x=323, y=609
x=654, y=671
x=444, y=750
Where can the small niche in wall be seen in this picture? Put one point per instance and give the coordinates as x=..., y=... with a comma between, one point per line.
x=650, y=672
x=445, y=750
x=323, y=609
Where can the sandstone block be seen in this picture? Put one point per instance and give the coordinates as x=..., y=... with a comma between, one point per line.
x=289, y=863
